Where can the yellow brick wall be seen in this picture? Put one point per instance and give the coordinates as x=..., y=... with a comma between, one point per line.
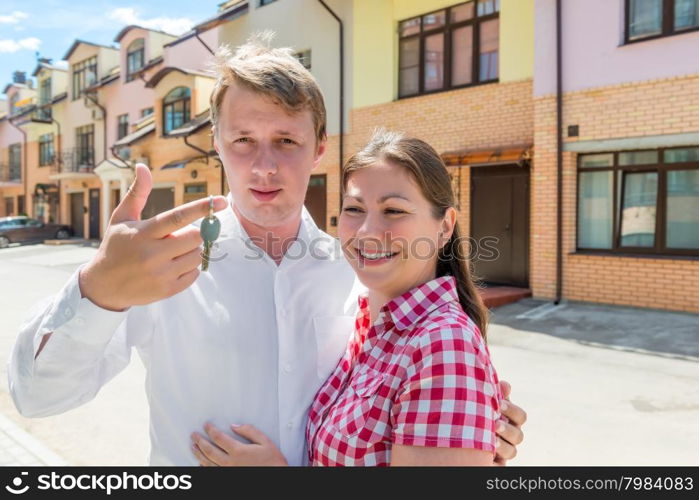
x=667, y=106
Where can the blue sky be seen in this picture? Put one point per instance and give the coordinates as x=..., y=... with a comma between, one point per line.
x=50, y=26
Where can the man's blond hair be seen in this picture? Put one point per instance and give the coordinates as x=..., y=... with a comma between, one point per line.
x=274, y=72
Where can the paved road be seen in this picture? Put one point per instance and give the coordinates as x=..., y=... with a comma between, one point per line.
x=602, y=385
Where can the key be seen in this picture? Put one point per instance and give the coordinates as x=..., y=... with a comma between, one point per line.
x=210, y=229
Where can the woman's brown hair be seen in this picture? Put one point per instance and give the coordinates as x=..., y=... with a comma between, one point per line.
x=430, y=173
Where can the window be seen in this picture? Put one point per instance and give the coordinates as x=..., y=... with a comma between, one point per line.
x=304, y=58
x=146, y=112
x=655, y=18
x=85, y=146
x=46, y=153
x=14, y=109
x=639, y=201
x=15, y=161
x=84, y=75
x=135, y=57
x=449, y=48
x=175, y=109
x=122, y=126
x=44, y=111
x=266, y=2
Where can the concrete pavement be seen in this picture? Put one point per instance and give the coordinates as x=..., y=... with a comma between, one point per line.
x=601, y=385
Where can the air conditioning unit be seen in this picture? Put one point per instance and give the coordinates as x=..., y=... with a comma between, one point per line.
x=97, y=114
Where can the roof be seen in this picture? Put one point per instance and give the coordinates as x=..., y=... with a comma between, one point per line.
x=197, y=123
x=14, y=84
x=128, y=28
x=231, y=13
x=78, y=42
x=155, y=79
x=503, y=155
x=136, y=136
x=52, y=67
x=59, y=97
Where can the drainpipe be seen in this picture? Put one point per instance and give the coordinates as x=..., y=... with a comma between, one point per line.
x=104, y=117
x=196, y=34
x=559, y=153
x=342, y=89
x=58, y=159
x=24, y=168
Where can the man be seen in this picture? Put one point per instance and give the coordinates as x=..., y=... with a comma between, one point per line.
x=249, y=341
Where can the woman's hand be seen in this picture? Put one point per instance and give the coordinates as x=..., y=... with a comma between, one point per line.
x=509, y=430
x=221, y=449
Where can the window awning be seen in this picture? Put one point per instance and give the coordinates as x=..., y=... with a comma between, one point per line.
x=174, y=164
x=495, y=156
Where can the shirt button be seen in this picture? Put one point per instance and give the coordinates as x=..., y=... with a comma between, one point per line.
x=287, y=368
x=290, y=425
x=79, y=321
x=68, y=311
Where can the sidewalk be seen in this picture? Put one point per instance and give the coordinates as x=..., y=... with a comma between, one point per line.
x=20, y=449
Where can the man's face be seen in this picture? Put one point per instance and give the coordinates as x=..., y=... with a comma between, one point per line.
x=268, y=155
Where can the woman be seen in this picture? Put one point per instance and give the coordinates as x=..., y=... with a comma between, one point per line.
x=416, y=385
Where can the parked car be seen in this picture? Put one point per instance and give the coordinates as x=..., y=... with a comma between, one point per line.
x=23, y=229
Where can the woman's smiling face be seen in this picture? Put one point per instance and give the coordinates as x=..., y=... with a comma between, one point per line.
x=388, y=229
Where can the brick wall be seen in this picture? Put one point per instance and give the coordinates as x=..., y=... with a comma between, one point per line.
x=481, y=117
x=667, y=106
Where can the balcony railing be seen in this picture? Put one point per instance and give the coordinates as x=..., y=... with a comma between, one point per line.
x=10, y=172
x=75, y=161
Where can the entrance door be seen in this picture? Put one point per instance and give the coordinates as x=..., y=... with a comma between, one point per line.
x=160, y=200
x=316, y=199
x=77, y=219
x=500, y=224
x=94, y=214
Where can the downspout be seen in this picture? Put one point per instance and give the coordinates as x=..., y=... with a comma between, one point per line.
x=104, y=129
x=104, y=117
x=58, y=160
x=559, y=153
x=342, y=92
x=24, y=169
x=197, y=148
x=196, y=34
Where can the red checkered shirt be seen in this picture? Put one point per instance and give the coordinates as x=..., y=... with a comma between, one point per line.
x=421, y=375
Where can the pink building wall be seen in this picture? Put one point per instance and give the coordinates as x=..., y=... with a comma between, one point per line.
x=122, y=97
x=593, y=51
x=190, y=53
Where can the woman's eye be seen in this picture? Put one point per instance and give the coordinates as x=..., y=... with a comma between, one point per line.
x=394, y=211
x=352, y=209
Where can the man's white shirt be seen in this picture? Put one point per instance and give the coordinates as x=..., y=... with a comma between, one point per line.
x=249, y=342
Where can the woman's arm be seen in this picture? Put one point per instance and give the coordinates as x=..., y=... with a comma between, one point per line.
x=402, y=455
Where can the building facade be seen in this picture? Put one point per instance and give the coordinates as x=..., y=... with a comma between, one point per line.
x=476, y=79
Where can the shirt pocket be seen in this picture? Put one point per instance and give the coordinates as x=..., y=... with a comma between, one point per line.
x=361, y=412
x=332, y=334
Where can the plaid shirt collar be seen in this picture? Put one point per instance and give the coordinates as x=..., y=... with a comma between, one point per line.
x=407, y=309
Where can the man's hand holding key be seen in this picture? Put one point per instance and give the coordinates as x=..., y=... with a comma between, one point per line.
x=140, y=262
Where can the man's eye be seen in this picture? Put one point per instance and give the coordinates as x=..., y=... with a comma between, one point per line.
x=242, y=140
x=288, y=141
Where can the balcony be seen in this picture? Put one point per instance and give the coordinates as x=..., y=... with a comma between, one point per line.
x=74, y=163
x=10, y=175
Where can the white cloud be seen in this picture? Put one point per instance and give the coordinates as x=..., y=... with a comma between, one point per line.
x=13, y=18
x=30, y=43
x=174, y=25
